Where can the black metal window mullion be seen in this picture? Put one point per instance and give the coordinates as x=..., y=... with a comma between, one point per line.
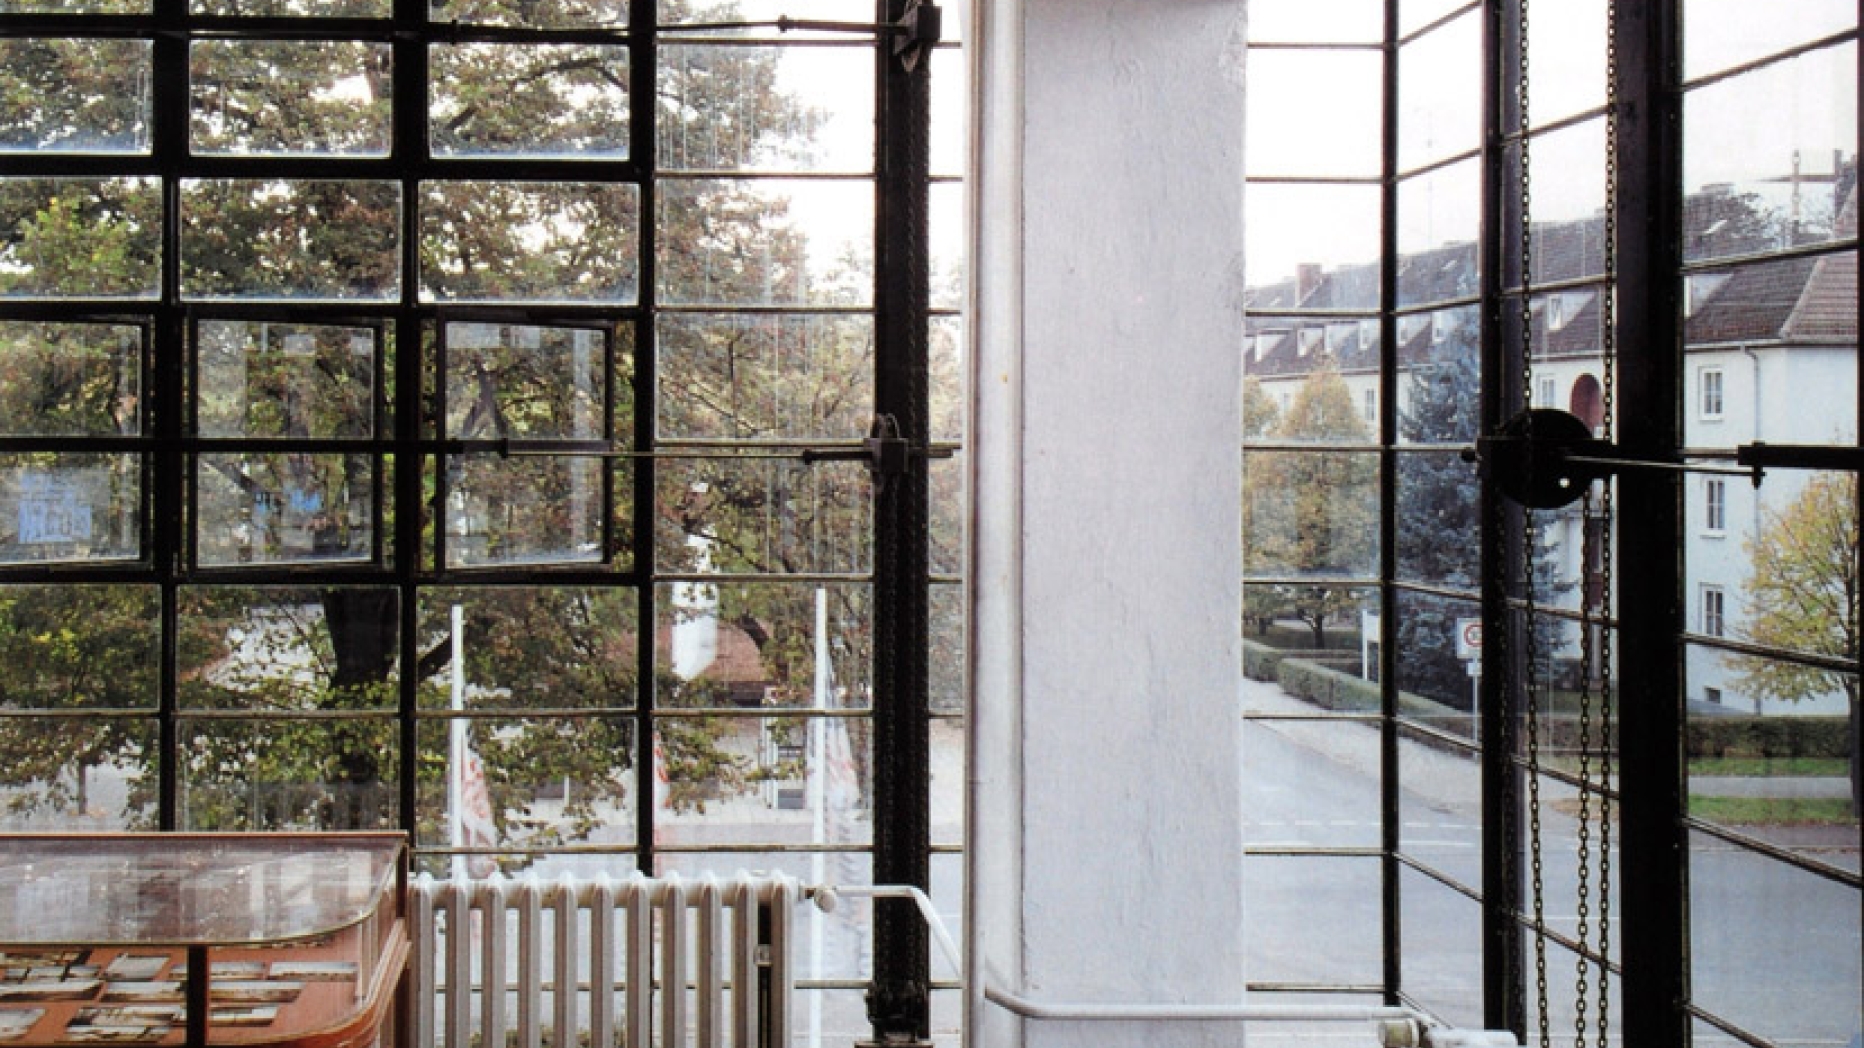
x=169, y=142
x=643, y=151
x=1390, y=814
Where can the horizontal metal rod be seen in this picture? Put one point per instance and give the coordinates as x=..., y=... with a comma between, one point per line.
x=1087, y=1011
x=1673, y=467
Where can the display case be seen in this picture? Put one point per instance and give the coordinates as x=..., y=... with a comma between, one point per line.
x=301, y=938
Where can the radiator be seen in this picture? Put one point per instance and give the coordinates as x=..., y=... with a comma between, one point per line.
x=641, y=962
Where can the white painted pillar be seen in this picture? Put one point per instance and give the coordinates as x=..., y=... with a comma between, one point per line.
x=1107, y=253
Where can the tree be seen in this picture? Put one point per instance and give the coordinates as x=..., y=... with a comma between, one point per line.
x=1802, y=595
x=321, y=650
x=1438, y=518
x=1313, y=512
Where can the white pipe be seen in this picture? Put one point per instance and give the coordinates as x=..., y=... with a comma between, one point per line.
x=1087, y=1011
x=825, y=896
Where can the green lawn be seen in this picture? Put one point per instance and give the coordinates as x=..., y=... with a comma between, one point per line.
x=1774, y=767
x=1773, y=811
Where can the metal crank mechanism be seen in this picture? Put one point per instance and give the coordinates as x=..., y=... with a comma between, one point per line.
x=1545, y=458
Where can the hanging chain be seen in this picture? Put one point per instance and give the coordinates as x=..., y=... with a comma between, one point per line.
x=1608, y=735
x=1530, y=544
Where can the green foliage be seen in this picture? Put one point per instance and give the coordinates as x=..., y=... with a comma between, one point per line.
x=1773, y=738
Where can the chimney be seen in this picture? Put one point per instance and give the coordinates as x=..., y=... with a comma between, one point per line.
x=1306, y=281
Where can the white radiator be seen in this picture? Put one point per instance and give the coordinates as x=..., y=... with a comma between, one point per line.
x=636, y=962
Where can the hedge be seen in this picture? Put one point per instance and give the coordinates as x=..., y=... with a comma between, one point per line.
x=1777, y=736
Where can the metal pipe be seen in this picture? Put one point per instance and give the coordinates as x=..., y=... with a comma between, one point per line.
x=1088, y=1011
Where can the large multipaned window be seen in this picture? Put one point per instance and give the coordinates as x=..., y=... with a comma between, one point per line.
x=449, y=417
x=1521, y=783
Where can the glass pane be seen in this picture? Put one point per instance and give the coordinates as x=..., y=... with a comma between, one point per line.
x=1438, y=384
x=1312, y=920
x=766, y=377
x=766, y=516
x=294, y=8
x=290, y=98
x=1768, y=749
x=1440, y=804
x=766, y=242
x=1343, y=21
x=674, y=13
x=1416, y=14
x=1724, y=33
x=100, y=776
x=1440, y=101
x=260, y=379
x=737, y=108
x=65, y=506
x=1562, y=973
x=947, y=244
x=1436, y=678
x=1766, y=153
x=1281, y=138
x=285, y=508
x=288, y=647
x=1569, y=202
x=1305, y=786
x=530, y=100
x=74, y=95
x=529, y=241
x=80, y=238
x=946, y=350
x=75, y=7
x=546, y=509
x=1773, y=949
x=264, y=775
x=946, y=643
x=1443, y=949
x=1312, y=247
x=531, y=648
x=1310, y=513
x=290, y=241
x=1308, y=649
x=69, y=380
x=1574, y=871
x=519, y=382
x=1280, y=354
x=1771, y=355
x=946, y=478
x=767, y=771
x=1567, y=74
x=728, y=645
x=527, y=783
x=1438, y=226
x=79, y=647
x=951, y=113
x=534, y=14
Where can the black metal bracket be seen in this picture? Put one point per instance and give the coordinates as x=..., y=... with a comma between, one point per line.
x=917, y=31
x=1545, y=458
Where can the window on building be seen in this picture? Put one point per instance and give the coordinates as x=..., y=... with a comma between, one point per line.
x=1710, y=397
x=1371, y=406
x=1713, y=607
x=1711, y=695
x=1714, y=505
x=1545, y=392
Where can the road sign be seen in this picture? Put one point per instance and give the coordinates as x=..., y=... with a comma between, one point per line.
x=1468, y=638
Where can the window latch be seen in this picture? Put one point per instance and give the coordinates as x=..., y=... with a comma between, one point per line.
x=918, y=29
x=1545, y=458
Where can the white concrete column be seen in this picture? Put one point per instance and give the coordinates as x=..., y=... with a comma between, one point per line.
x=1106, y=818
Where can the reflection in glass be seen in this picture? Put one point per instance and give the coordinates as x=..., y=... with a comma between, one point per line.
x=80, y=647
x=80, y=238
x=781, y=109
x=532, y=510
x=82, y=95
x=561, y=647
x=769, y=377
x=519, y=382
x=70, y=379
x=1774, y=949
x=766, y=516
x=66, y=506
x=1310, y=513
x=101, y=775
x=281, y=241
x=289, y=98
x=533, y=100
x=767, y=242
x=549, y=782
x=1299, y=239
x=271, y=775
x=261, y=379
x=284, y=508
x=1769, y=157
x=729, y=644
x=1440, y=112
x=1281, y=140
x=529, y=242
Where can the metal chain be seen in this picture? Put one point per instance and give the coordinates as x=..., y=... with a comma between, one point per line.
x=1608, y=349
x=1530, y=543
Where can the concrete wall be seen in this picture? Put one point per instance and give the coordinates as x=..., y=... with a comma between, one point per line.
x=1106, y=818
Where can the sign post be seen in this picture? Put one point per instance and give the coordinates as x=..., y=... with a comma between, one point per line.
x=1469, y=649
